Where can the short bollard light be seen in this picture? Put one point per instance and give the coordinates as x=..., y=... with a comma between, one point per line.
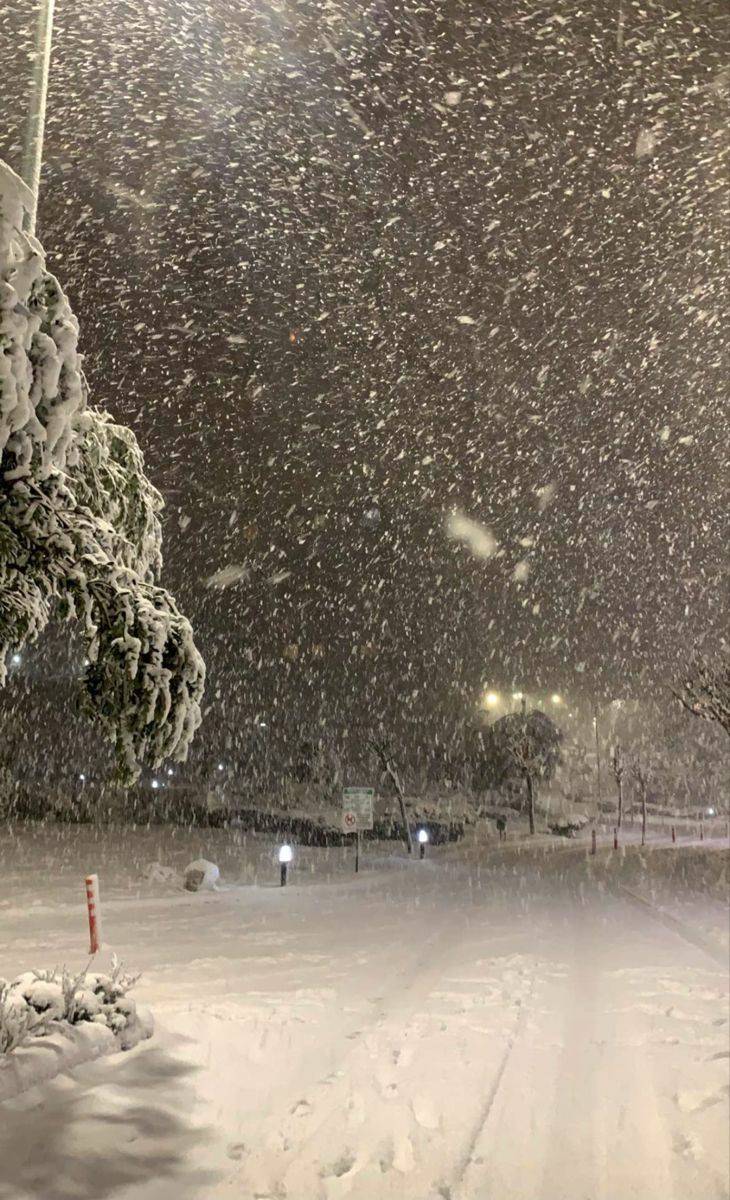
x=286, y=854
x=423, y=841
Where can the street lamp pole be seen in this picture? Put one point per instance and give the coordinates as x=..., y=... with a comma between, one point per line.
x=35, y=128
x=598, y=749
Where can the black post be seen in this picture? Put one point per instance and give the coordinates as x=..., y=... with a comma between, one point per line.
x=284, y=872
x=357, y=851
x=423, y=849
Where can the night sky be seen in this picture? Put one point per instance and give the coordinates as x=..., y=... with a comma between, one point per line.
x=338, y=259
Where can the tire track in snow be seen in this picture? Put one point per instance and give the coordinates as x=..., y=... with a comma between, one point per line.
x=673, y=924
x=480, y=1125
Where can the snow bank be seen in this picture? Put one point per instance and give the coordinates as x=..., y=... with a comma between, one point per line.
x=66, y=1047
x=698, y=869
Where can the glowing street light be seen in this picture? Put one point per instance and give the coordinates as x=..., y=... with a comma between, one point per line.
x=286, y=854
x=423, y=841
x=491, y=699
x=556, y=699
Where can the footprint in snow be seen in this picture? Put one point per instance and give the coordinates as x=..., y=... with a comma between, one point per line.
x=698, y=1101
x=301, y=1108
x=236, y=1151
x=341, y=1167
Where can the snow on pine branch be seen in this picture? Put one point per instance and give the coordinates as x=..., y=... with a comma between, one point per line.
x=79, y=520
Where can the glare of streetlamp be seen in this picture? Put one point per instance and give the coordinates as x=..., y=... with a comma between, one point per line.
x=220, y=766
x=556, y=699
x=16, y=660
x=155, y=783
x=491, y=699
x=423, y=841
x=518, y=695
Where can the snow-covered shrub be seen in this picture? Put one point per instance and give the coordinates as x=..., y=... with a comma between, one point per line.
x=16, y=1018
x=201, y=875
x=38, y=1001
x=79, y=520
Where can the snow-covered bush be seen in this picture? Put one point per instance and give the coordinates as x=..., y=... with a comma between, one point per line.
x=38, y=1001
x=79, y=520
x=201, y=875
x=16, y=1018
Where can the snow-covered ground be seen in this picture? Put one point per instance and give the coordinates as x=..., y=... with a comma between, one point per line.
x=494, y=1021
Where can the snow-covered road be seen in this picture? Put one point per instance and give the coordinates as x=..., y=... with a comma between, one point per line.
x=484, y=1024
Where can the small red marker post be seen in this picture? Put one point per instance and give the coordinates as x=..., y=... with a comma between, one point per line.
x=593, y=841
x=615, y=838
x=674, y=834
x=94, y=909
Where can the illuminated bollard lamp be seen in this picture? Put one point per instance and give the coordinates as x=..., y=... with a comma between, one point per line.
x=286, y=854
x=423, y=841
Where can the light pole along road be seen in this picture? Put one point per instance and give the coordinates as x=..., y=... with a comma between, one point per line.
x=36, y=123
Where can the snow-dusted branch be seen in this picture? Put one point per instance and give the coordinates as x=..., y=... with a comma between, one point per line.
x=705, y=691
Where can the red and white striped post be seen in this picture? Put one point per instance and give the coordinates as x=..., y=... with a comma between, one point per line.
x=615, y=838
x=93, y=905
x=593, y=841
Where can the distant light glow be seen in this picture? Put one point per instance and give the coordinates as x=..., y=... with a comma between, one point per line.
x=491, y=700
x=82, y=777
x=286, y=853
x=556, y=699
x=220, y=766
x=710, y=812
x=16, y=660
x=423, y=836
x=155, y=783
x=518, y=695
x=170, y=771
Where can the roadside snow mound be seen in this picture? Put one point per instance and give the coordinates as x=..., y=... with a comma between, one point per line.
x=201, y=876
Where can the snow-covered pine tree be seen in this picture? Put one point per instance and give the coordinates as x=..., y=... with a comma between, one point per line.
x=80, y=531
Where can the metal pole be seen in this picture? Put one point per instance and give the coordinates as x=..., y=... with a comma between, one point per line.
x=598, y=751
x=357, y=851
x=35, y=128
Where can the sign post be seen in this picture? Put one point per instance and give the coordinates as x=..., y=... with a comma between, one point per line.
x=357, y=814
x=93, y=907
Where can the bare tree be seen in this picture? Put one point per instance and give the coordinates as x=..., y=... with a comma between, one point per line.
x=618, y=773
x=527, y=744
x=388, y=763
x=640, y=772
